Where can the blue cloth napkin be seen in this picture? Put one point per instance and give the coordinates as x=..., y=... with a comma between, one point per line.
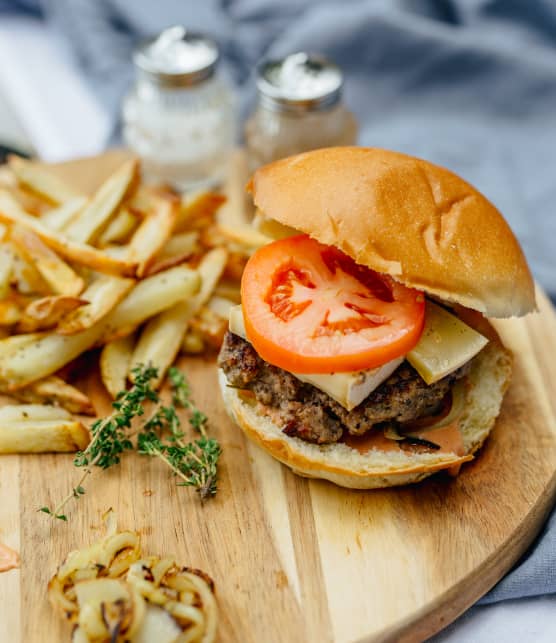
x=468, y=84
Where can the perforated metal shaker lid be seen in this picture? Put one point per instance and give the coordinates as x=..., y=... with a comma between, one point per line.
x=177, y=57
x=299, y=82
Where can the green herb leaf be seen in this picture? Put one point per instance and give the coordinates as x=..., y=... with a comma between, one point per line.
x=195, y=463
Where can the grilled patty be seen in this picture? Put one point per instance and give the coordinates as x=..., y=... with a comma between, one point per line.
x=304, y=411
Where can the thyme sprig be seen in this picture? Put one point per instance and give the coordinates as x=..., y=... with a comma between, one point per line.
x=111, y=434
x=195, y=463
x=161, y=436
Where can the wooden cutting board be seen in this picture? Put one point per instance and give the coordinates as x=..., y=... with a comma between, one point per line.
x=297, y=560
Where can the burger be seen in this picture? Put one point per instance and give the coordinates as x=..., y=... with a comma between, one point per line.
x=361, y=352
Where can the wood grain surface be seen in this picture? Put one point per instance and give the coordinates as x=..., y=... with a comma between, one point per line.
x=299, y=560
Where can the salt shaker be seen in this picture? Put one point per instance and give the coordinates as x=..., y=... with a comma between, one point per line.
x=180, y=116
x=299, y=108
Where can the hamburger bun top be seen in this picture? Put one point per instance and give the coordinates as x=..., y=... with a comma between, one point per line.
x=400, y=215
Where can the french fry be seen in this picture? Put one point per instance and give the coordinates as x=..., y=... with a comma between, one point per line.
x=13, y=343
x=220, y=306
x=210, y=326
x=211, y=237
x=101, y=296
x=119, y=228
x=229, y=290
x=235, y=211
x=114, y=364
x=30, y=434
x=117, y=252
x=144, y=197
x=45, y=313
x=140, y=202
x=34, y=360
x=53, y=390
x=198, y=210
x=235, y=266
x=166, y=264
x=37, y=179
x=25, y=276
x=152, y=233
x=193, y=343
x=6, y=268
x=10, y=312
x=30, y=202
x=96, y=214
x=162, y=337
x=149, y=297
x=7, y=178
x=81, y=253
x=58, y=218
x=46, y=436
x=61, y=278
x=244, y=235
x=179, y=244
x=177, y=249
x=32, y=412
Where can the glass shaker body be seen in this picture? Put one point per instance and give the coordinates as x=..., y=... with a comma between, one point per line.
x=299, y=108
x=180, y=117
x=272, y=135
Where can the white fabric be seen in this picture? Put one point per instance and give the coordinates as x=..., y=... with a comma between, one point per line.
x=48, y=96
x=527, y=620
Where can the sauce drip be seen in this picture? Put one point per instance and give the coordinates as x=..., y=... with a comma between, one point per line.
x=447, y=437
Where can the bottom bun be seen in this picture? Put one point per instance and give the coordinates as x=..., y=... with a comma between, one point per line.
x=488, y=380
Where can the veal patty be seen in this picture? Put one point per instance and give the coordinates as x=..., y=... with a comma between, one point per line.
x=306, y=412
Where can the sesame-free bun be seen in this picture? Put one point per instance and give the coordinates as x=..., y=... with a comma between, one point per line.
x=347, y=467
x=400, y=215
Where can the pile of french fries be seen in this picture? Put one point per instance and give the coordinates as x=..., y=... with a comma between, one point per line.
x=139, y=271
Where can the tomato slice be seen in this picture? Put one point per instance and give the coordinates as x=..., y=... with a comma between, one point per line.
x=309, y=308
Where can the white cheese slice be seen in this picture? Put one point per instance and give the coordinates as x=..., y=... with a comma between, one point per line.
x=445, y=344
x=348, y=389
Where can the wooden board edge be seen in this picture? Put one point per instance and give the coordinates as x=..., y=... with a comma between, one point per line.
x=437, y=615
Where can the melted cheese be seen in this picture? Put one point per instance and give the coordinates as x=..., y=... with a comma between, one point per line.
x=445, y=344
x=348, y=389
